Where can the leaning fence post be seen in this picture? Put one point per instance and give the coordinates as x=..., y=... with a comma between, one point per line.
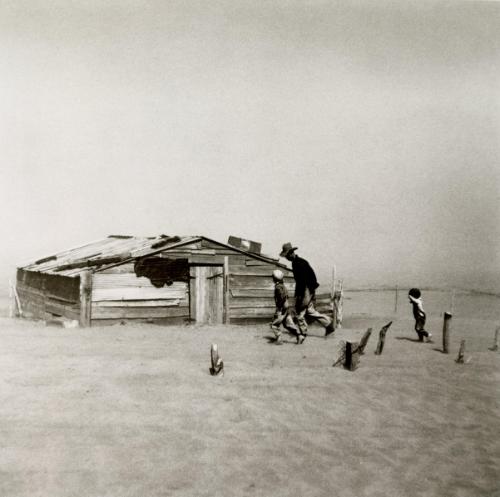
x=446, y=332
x=495, y=342
x=364, y=341
x=217, y=368
x=381, y=338
x=461, y=352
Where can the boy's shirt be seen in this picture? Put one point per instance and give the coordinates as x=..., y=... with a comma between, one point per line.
x=280, y=296
x=418, y=309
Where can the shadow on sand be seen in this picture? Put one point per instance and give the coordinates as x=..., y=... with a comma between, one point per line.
x=438, y=350
x=286, y=338
x=416, y=340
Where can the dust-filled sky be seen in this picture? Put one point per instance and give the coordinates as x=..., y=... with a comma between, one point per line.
x=367, y=134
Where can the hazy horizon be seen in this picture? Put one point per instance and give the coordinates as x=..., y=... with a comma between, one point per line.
x=367, y=134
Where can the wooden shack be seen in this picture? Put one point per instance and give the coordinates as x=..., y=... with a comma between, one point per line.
x=162, y=280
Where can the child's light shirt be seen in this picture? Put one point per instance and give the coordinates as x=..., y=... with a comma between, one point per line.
x=417, y=305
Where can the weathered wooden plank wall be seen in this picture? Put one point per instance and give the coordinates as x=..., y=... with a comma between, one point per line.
x=46, y=296
x=119, y=295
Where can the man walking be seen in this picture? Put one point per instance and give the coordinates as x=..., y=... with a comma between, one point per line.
x=305, y=289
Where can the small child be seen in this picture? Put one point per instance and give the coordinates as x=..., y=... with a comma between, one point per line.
x=283, y=313
x=415, y=299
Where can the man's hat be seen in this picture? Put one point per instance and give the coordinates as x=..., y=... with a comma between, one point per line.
x=287, y=248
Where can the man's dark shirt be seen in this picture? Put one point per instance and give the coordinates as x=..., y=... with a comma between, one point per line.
x=304, y=276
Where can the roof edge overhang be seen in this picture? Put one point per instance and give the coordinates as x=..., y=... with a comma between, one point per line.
x=249, y=254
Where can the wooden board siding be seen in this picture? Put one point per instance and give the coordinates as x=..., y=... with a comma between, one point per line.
x=251, y=288
x=44, y=305
x=118, y=296
x=249, y=261
x=259, y=282
x=266, y=270
x=127, y=286
x=206, y=260
x=124, y=268
x=125, y=312
x=138, y=303
x=264, y=308
x=251, y=291
x=60, y=287
x=179, y=320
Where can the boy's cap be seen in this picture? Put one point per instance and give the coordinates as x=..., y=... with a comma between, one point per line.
x=277, y=274
x=286, y=249
x=415, y=293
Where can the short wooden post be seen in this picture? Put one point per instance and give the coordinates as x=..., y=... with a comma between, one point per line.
x=495, y=342
x=341, y=354
x=446, y=333
x=85, y=298
x=217, y=368
x=364, y=341
x=351, y=356
x=381, y=339
x=461, y=352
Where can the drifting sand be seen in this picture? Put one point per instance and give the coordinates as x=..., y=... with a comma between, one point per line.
x=132, y=411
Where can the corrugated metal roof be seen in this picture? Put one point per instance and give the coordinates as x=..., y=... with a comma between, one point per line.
x=115, y=250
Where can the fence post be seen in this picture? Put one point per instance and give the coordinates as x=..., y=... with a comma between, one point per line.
x=217, y=368
x=381, y=338
x=495, y=340
x=364, y=341
x=461, y=352
x=446, y=332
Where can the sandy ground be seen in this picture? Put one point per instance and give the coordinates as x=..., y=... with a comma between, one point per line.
x=132, y=411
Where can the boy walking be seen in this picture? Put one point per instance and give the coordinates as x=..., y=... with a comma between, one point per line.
x=283, y=313
x=414, y=296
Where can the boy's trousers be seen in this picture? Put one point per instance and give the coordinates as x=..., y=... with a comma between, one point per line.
x=283, y=318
